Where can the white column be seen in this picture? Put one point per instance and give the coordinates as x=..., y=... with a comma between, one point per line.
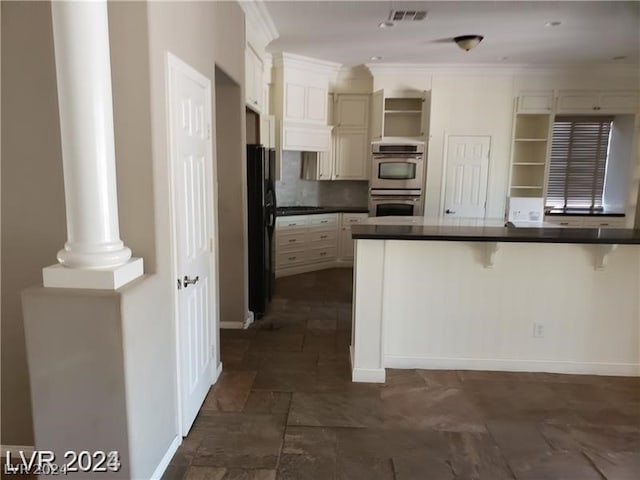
x=83, y=70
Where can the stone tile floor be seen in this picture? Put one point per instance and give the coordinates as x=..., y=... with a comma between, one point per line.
x=285, y=408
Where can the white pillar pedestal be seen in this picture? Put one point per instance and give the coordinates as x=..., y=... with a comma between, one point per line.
x=93, y=256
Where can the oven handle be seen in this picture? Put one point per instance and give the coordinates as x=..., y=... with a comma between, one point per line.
x=405, y=198
x=403, y=158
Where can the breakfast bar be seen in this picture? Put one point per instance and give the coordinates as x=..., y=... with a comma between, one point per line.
x=483, y=296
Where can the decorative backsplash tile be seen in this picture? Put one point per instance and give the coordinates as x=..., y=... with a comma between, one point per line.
x=291, y=190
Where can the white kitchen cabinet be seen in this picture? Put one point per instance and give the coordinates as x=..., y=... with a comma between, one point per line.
x=595, y=101
x=305, y=243
x=317, y=165
x=346, y=244
x=352, y=111
x=583, y=221
x=347, y=160
x=535, y=101
x=303, y=138
x=301, y=87
x=253, y=79
x=351, y=151
x=404, y=115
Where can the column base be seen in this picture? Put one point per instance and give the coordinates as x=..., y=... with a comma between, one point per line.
x=59, y=276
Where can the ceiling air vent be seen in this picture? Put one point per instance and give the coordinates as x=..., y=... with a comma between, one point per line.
x=407, y=15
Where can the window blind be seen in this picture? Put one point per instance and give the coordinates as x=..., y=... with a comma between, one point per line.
x=579, y=151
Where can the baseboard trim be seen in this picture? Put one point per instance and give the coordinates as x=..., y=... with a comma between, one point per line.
x=250, y=318
x=368, y=375
x=232, y=325
x=511, y=365
x=166, y=459
x=218, y=373
x=365, y=375
x=14, y=450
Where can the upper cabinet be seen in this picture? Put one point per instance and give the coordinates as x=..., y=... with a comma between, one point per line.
x=254, y=83
x=399, y=115
x=535, y=102
x=593, y=101
x=300, y=102
x=348, y=158
x=352, y=111
x=351, y=152
x=301, y=87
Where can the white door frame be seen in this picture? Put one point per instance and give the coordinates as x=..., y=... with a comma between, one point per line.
x=445, y=164
x=175, y=63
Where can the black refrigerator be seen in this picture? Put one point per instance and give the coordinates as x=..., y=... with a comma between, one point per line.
x=261, y=206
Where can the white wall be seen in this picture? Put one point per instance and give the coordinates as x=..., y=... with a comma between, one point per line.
x=205, y=35
x=469, y=105
x=33, y=216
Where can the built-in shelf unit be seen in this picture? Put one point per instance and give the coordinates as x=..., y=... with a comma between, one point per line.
x=398, y=116
x=530, y=152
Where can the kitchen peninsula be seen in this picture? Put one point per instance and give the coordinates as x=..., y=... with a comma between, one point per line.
x=481, y=296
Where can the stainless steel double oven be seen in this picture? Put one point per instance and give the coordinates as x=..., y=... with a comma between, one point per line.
x=397, y=179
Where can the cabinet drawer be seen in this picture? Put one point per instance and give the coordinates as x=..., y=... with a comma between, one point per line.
x=318, y=235
x=296, y=221
x=294, y=257
x=353, y=218
x=565, y=221
x=321, y=254
x=610, y=222
x=328, y=219
x=290, y=239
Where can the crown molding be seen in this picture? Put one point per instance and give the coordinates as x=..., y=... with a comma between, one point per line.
x=499, y=69
x=263, y=28
x=293, y=60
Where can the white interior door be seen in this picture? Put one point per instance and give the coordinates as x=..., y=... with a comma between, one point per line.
x=192, y=180
x=466, y=179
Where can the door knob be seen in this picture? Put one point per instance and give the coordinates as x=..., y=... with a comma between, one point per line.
x=449, y=211
x=190, y=281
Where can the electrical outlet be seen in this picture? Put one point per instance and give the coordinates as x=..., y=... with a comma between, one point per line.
x=538, y=330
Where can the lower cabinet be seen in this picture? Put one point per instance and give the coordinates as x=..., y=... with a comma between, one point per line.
x=305, y=243
x=586, y=221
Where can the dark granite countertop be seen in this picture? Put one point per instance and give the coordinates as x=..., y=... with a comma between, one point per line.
x=496, y=234
x=307, y=210
x=577, y=212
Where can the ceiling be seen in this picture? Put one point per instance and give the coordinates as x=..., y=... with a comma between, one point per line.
x=347, y=32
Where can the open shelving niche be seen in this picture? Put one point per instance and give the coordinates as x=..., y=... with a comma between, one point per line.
x=402, y=115
x=529, y=155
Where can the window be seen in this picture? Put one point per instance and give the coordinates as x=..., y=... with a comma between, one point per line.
x=579, y=152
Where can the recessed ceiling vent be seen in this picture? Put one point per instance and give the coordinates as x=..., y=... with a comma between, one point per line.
x=407, y=15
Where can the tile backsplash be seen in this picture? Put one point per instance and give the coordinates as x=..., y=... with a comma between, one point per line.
x=291, y=190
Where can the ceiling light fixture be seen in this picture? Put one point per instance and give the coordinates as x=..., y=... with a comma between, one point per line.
x=553, y=23
x=467, y=42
